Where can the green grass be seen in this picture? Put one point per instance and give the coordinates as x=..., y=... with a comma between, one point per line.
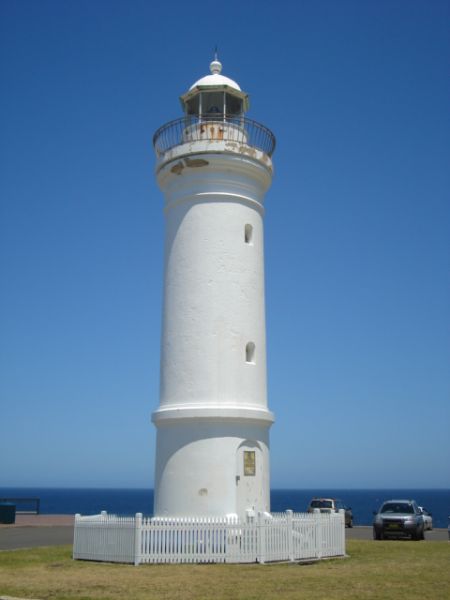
x=390, y=570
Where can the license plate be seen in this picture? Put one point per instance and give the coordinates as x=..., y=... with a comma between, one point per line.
x=393, y=526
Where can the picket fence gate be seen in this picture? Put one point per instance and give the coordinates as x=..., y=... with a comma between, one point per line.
x=264, y=538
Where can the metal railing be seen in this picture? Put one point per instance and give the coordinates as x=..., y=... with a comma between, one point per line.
x=27, y=501
x=217, y=127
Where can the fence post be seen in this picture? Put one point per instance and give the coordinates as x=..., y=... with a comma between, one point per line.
x=261, y=539
x=137, y=538
x=290, y=535
x=319, y=533
x=342, y=533
x=75, y=535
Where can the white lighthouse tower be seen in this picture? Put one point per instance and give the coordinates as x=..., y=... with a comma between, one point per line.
x=214, y=166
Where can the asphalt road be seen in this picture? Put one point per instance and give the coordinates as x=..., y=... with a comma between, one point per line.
x=365, y=533
x=30, y=537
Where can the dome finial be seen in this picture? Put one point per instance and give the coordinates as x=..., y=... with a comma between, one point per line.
x=216, y=66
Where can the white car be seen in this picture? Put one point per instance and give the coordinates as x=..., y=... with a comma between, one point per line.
x=427, y=518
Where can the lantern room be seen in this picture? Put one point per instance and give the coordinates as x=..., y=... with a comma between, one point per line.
x=215, y=96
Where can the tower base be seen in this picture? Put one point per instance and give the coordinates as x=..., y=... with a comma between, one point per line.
x=211, y=466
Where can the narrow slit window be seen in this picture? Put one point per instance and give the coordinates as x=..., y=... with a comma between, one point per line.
x=248, y=234
x=250, y=353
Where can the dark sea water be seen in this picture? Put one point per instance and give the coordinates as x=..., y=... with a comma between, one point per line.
x=131, y=501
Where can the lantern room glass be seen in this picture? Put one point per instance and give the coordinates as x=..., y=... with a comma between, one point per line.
x=211, y=105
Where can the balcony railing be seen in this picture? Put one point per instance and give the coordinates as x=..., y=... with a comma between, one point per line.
x=217, y=127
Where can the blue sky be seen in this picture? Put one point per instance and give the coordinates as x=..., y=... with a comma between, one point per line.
x=357, y=232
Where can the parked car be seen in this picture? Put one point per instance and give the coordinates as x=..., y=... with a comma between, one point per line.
x=427, y=518
x=399, y=518
x=329, y=505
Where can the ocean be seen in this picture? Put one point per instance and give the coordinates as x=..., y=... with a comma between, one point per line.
x=130, y=501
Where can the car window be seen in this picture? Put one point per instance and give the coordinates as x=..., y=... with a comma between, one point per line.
x=397, y=507
x=321, y=504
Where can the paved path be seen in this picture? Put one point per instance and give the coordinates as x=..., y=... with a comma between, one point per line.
x=31, y=537
x=41, y=521
x=31, y=531
x=365, y=533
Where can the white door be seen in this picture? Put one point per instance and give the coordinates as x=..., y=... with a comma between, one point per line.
x=249, y=477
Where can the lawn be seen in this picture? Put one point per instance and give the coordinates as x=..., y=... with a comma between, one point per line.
x=387, y=570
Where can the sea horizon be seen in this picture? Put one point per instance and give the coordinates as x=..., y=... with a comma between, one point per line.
x=132, y=487
x=130, y=500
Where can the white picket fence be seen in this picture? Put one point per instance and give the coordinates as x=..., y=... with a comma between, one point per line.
x=265, y=538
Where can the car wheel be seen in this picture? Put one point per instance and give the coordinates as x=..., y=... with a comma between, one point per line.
x=350, y=523
x=377, y=535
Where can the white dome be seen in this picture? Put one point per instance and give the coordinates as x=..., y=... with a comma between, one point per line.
x=215, y=78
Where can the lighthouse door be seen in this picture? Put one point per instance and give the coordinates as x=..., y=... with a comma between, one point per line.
x=249, y=477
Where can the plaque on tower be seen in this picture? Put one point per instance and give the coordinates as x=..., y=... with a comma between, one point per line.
x=249, y=462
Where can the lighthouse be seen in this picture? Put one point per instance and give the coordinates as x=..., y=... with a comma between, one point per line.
x=214, y=166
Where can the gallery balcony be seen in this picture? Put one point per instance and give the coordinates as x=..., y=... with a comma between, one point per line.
x=214, y=133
